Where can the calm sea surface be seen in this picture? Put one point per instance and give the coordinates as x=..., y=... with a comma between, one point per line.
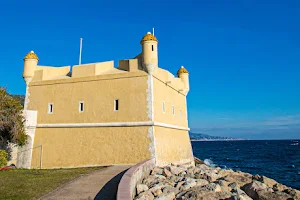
x=276, y=159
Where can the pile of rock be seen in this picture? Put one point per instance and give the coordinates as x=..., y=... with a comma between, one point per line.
x=207, y=183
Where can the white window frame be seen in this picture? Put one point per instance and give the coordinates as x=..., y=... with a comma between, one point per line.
x=173, y=110
x=115, y=104
x=163, y=107
x=50, y=105
x=79, y=106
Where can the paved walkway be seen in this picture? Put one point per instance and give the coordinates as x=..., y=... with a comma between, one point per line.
x=99, y=185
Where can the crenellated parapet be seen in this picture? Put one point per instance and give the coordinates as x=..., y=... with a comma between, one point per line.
x=146, y=61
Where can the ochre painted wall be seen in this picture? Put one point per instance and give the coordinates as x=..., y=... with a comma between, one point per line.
x=170, y=96
x=79, y=147
x=172, y=146
x=98, y=94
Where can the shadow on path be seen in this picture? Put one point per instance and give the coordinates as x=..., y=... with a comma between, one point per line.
x=109, y=190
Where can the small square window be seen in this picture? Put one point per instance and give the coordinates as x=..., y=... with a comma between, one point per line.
x=163, y=107
x=116, y=105
x=173, y=110
x=81, y=106
x=50, y=108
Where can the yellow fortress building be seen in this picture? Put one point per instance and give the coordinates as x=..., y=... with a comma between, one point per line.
x=98, y=115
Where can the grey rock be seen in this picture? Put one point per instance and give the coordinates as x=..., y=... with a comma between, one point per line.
x=176, y=170
x=257, y=178
x=242, y=195
x=157, y=187
x=267, y=195
x=293, y=192
x=170, y=189
x=157, y=170
x=221, y=182
x=201, y=182
x=196, y=194
x=269, y=182
x=145, y=196
x=213, y=187
x=239, y=178
x=188, y=184
x=166, y=196
x=251, y=189
x=203, y=167
x=233, y=185
x=179, y=184
x=166, y=173
x=157, y=192
x=150, y=180
x=141, y=188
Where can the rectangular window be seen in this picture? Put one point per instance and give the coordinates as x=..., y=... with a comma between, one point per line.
x=163, y=107
x=152, y=48
x=50, y=108
x=116, y=104
x=81, y=106
x=173, y=110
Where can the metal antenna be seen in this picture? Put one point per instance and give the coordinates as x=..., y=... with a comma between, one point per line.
x=80, y=51
x=152, y=31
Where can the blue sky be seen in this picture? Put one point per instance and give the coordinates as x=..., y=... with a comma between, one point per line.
x=243, y=55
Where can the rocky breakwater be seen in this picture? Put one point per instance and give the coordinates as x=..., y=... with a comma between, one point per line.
x=207, y=183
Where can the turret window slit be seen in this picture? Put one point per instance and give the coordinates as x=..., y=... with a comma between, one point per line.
x=81, y=106
x=116, y=104
x=50, y=108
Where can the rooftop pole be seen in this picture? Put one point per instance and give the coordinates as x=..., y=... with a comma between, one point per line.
x=152, y=31
x=80, y=51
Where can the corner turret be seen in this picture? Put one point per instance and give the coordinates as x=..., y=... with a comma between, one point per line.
x=30, y=64
x=149, y=52
x=183, y=74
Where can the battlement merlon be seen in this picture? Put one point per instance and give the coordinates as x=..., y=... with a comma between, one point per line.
x=145, y=63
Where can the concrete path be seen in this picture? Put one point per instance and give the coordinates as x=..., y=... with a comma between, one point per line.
x=98, y=185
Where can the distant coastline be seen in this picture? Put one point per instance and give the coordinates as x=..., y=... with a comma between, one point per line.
x=213, y=140
x=204, y=137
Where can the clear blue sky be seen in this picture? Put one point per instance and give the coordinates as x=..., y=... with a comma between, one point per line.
x=243, y=55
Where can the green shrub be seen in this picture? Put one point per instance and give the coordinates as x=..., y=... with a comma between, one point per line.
x=11, y=119
x=3, y=158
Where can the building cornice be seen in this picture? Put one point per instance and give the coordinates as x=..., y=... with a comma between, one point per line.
x=111, y=124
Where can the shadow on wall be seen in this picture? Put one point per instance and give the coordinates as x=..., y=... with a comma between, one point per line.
x=110, y=189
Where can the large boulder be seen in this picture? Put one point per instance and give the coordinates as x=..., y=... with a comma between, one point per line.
x=240, y=178
x=213, y=187
x=147, y=195
x=166, y=196
x=141, y=188
x=268, y=195
x=198, y=193
x=293, y=192
x=166, y=173
x=269, y=182
x=188, y=184
x=176, y=170
x=251, y=189
x=157, y=170
x=153, y=179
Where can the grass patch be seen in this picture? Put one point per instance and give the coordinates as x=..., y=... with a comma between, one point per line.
x=32, y=184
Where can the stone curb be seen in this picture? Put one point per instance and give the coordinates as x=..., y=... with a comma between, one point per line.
x=126, y=188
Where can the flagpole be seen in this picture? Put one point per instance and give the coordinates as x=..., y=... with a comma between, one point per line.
x=80, y=51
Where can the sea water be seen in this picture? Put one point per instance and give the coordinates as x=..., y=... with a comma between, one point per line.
x=276, y=159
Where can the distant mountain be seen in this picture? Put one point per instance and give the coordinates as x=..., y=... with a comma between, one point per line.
x=205, y=137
